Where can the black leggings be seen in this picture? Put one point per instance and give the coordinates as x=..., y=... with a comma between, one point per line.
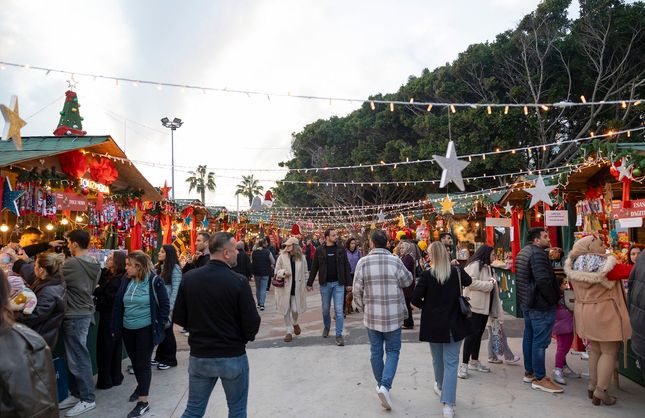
x=138, y=344
x=474, y=340
x=167, y=350
x=108, y=354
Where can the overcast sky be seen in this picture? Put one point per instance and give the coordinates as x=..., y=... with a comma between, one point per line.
x=336, y=48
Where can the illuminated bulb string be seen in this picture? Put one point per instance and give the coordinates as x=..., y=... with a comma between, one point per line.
x=373, y=102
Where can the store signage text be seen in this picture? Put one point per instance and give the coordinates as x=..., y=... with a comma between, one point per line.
x=92, y=185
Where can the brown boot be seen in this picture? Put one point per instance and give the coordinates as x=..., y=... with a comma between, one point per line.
x=600, y=395
x=296, y=329
x=288, y=338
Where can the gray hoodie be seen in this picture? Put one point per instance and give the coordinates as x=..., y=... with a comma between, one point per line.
x=81, y=274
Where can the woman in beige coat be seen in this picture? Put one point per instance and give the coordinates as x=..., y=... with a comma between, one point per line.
x=482, y=303
x=600, y=311
x=291, y=299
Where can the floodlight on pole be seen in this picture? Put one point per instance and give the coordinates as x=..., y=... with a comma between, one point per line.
x=173, y=126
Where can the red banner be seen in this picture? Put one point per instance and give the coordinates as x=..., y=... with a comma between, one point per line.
x=631, y=209
x=70, y=201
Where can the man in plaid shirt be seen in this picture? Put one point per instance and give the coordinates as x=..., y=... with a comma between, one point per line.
x=378, y=282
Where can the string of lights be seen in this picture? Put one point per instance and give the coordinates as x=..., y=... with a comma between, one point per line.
x=428, y=105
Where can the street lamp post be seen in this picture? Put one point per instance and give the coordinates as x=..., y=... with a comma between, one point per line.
x=173, y=126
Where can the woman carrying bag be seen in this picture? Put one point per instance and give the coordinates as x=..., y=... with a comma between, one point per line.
x=444, y=324
x=168, y=269
x=108, y=350
x=140, y=315
x=290, y=297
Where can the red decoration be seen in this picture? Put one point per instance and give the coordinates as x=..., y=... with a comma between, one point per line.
x=295, y=229
x=268, y=196
x=73, y=163
x=165, y=189
x=103, y=171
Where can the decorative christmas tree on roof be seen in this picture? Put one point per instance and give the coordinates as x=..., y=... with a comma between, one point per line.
x=70, y=123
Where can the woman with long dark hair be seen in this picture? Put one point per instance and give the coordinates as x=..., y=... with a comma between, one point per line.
x=481, y=297
x=168, y=269
x=108, y=350
x=141, y=311
x=27, y=375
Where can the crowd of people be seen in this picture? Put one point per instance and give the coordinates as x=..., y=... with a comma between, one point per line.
x=210, y=296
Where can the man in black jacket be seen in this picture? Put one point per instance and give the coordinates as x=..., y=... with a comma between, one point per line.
x=538, y=293
x=332, y=267
x=201, y=256
x=217, y=305
x=243, y=265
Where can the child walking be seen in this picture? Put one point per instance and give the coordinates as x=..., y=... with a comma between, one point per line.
x=563, y=330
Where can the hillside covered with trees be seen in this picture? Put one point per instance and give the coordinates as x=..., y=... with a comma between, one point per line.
x=547, y=58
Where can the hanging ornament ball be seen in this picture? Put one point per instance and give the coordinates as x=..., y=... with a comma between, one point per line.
x=75, y=99
x=422, y=245
x=637, y=172
x=613, y=171
x=74, y=109
x=85, y=191
x=75, y=126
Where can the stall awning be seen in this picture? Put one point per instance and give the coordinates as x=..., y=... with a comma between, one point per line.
x=43, y=151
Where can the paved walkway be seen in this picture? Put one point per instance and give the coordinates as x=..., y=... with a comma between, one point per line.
x=311, y=377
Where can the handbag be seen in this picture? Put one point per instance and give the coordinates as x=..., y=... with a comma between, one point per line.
x=464, y=304
x=275, y=281
x=569, y=299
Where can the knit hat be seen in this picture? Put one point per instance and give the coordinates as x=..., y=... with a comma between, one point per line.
x=292, y=241
x=590, y=244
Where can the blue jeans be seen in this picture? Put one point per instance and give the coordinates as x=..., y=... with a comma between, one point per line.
x=445, y=362
x=261, y=283
x=384, y=373
x=337, y=291
x=202, y=377
x=81, y=383
x=538, y=326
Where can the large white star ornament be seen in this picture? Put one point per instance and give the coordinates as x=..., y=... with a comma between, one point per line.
x=452, y=167
x=508, y=208
x=12, y=123
x=625, y=171
x=540, y=193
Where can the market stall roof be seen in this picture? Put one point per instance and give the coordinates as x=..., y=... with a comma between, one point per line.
x=462, y=203
x=41, y=151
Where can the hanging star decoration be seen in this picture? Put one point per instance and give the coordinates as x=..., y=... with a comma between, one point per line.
x=452, y=167
x=188, y=220
x=624, y=171
x=9, y=197
x=424, y=222
x=508, y=208
x=138, y=217
x=447, y=206
x=381, y=217
x=540, y=193
x=13, y=123
x=165, y=189
x=205, y=222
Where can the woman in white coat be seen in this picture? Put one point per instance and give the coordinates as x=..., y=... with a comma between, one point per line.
x=482, y=298
x=290, y=299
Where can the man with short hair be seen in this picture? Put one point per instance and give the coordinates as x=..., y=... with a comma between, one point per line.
x=379, y=278
x=81, y=274
x=201, y=256
x=538, y=292
x=29, y=246
x=217, y=305
x=446, y=239
x=243, y=264
x=332, y=267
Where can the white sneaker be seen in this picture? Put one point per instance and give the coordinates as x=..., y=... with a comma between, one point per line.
x=437, y=391
x=495, y=361
x=570, y=373
x=81, y=408
x=463, y=371
x=558, y=376
x=477, y=366
x=515, y=359
x=68, y=402
x=384, y=396
x=448, y=411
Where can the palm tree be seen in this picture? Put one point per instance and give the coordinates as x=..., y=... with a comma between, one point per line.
x=249, y=187
x=201, y=181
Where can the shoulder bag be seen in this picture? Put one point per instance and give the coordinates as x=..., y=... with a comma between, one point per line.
x=464, y=304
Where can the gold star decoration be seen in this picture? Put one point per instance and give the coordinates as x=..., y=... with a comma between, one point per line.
x=13, y=123
x=447, y=206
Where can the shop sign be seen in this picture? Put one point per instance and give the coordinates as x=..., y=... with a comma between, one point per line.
x=92, y=185
x=636, y=209
x=556, y=218
x=631, y=222
x=70, y=201
x=501, y=222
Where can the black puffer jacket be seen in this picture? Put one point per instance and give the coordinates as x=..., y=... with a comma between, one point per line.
x=27, y=378
x=537, y=287
x=636, y=306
